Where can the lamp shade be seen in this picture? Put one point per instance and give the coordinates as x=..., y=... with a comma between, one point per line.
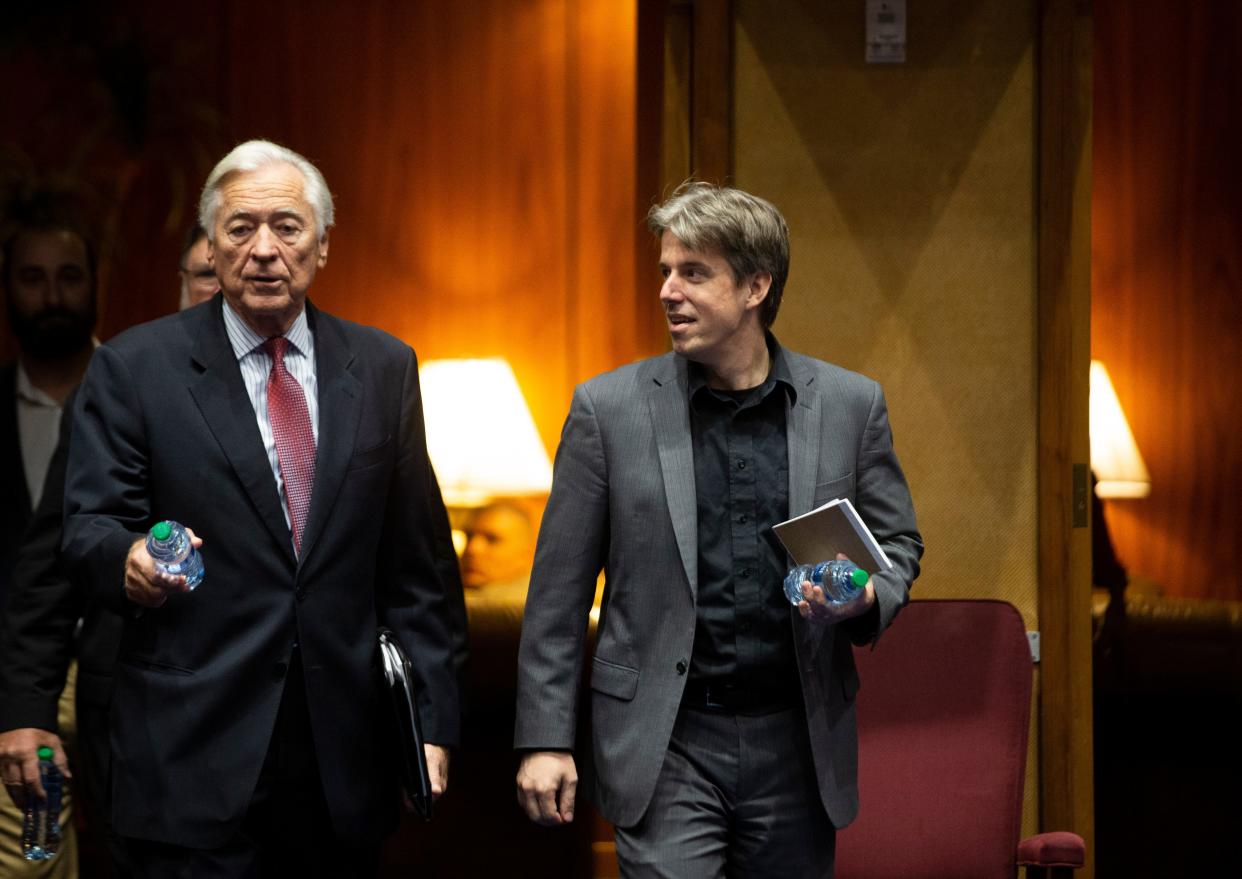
x=1115, y=457
x=480, y=433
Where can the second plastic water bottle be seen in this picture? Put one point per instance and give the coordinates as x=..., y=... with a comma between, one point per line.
x=170, y=546
x=41, y=823
x=841, y=580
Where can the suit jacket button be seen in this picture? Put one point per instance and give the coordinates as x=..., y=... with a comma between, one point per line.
x=279, y=669
x=681, y=666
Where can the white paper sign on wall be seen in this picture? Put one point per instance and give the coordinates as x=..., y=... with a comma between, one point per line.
x=886, y=31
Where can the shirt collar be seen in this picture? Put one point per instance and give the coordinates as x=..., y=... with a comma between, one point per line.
x=779, y=374
x=244, y=339
x=28, y=392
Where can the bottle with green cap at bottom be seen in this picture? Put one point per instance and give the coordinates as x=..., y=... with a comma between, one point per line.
x=841, y=580
x=41, y=824
x=170, y=546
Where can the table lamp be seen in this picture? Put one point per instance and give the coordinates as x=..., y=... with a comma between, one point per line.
x=480, y=434
x=1115, y=457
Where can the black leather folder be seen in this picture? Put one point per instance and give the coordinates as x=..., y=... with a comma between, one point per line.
x=399, y=683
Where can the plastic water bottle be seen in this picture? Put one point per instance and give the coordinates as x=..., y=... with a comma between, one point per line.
x=841, y=580
x=41, y=826
x=169, y=544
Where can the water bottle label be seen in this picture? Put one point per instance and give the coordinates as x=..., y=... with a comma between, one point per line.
x=41, y=822
x=170, y=547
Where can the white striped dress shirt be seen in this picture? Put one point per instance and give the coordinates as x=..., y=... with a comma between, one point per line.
x=38, y=428
x=256, y=366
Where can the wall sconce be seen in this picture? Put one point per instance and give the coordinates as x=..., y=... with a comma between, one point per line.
x=480, y=434
x=1115, y=457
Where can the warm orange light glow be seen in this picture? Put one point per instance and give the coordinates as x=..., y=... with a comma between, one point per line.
x=1115, y=456
x=480, y=433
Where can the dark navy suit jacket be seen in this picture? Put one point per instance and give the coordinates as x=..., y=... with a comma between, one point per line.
x=164, y=429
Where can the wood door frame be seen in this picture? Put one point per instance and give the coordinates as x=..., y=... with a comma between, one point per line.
x=1063, y=290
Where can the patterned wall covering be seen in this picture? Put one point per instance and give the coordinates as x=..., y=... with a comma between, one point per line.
x=909, y=192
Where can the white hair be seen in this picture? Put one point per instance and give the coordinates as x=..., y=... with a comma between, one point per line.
x=251, y=156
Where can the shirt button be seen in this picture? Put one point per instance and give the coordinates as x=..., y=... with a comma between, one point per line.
x=742, y=519
x=745, y=573
x=279, y=669
x=681, y=666
x=299, y=593
x=741, y=465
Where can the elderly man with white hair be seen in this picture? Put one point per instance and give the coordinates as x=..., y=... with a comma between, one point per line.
x=247, y=723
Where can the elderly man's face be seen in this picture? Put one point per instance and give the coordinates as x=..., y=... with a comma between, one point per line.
x=266, y=251
x=198, y=278
x=51, y=294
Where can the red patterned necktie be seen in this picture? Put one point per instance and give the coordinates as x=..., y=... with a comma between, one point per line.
x=295, y=441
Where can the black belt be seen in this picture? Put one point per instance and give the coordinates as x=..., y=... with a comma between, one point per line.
x=729, y=697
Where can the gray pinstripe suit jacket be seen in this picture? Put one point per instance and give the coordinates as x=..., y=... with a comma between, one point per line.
x=623, y=499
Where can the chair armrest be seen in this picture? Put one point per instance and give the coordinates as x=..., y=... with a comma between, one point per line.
x=1060, y=850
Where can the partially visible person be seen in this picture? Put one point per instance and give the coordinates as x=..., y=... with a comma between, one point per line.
x=500, y=547
x=48, y=274
x=198, y=277
x=50, y=621
x=49, y=285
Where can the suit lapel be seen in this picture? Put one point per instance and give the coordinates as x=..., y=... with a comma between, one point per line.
x=221, y=397
x=670, y=416
x=11, y=449
x=802, y=434
x=340, y=409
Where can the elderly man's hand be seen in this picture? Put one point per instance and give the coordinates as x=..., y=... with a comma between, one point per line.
x=19, y=762
x=145, y=584
x=816, y=607
x=437, y=773
x=437, y=768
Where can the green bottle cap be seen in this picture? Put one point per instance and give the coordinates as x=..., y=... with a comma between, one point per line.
x=859, y=577
x=161, y=530
x=45, y=753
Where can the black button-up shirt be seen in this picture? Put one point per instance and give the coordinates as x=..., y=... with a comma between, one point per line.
x=741, y=472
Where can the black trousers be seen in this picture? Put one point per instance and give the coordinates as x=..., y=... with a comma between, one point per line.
x=106, y=857
x=736, y=798
x=287, y=830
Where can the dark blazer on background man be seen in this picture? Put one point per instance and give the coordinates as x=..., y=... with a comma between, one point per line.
x=15, y=499
x=623, y=498
x=39, y=636
x=164, y=429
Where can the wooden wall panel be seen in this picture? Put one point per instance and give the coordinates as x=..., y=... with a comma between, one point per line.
x=120, y=103
x=485, y=159
x=1063, y=356
x=1167, y=278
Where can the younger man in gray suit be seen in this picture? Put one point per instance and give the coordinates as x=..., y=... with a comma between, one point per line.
x=722, y=733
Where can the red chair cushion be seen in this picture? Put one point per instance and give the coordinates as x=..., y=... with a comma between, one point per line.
x=1059, y=848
